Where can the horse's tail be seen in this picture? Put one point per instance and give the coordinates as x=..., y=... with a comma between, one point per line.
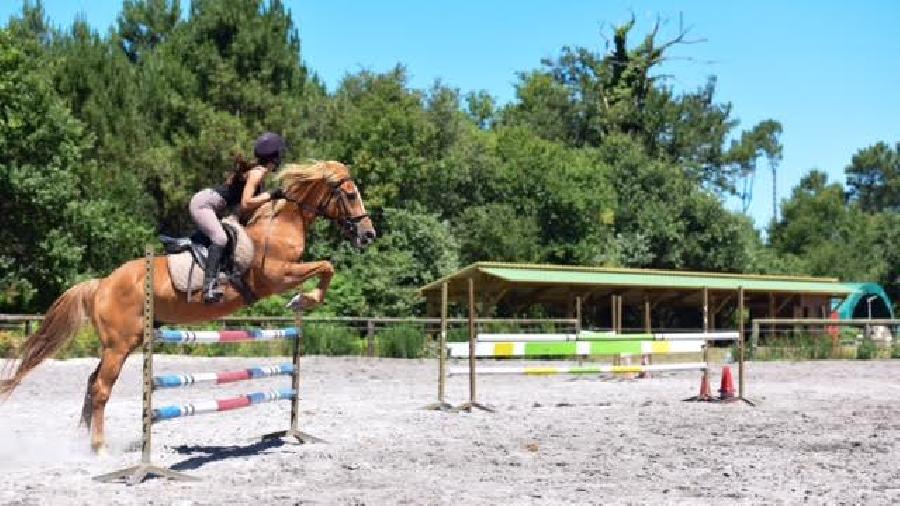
x=64, y=318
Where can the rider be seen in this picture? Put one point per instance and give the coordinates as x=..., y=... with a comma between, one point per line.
x=241, y=189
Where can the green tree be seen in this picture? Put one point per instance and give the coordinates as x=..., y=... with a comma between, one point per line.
x=497, y=232
x=144, y=24
x=54, y=223
x=665, y=220
x=828, y=237
x=873, y=178
x=583, y=98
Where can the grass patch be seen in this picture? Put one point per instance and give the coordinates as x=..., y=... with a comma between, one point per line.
x=331, y=339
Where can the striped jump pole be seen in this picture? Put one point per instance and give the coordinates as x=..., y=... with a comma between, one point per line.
x=223, y=336
x=584, y=369
x=241, y=401
x=588, y=335
x=219, y=378
x=579, y=345
x=534, y=349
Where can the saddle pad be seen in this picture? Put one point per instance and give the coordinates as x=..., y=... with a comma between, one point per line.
x=180, y=264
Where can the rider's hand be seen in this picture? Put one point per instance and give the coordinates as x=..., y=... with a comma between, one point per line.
x=276, y=194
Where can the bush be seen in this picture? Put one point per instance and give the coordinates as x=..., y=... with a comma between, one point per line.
x=866, y=350
x=330, y=339
x=84, y=344
x=8, y=344
x=457, y=334
x=402, y=341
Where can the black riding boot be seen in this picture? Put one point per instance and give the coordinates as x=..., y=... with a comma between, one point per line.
x=211, y=291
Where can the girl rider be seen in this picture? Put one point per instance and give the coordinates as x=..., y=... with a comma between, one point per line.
x=242, y=190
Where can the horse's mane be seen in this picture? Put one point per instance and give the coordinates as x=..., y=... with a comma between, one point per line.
x=295, y=174
x=295, y=178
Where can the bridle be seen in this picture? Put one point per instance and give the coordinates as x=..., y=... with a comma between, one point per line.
x=347, y=222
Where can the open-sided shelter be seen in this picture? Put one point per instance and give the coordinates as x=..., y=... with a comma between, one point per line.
x=647, y=299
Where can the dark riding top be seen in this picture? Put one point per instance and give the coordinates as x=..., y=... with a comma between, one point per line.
x=231, y=193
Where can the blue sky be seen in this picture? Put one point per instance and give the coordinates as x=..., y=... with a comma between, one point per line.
x=827, y=71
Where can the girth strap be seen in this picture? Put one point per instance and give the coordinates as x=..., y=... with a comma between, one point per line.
x=243, y=288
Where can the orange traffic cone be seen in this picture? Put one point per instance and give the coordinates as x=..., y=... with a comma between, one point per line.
x=645, y=360
x=705, y=394
x=726, y=390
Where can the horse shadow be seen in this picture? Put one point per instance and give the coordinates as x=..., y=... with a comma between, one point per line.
x=220, y=453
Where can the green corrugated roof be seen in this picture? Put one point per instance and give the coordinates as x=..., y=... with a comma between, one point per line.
x=662, y=280
x=650, y=278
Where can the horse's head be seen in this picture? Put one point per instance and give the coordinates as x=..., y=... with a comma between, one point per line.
x=327, y=189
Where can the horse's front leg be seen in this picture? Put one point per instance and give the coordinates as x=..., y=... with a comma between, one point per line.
x=297, y=273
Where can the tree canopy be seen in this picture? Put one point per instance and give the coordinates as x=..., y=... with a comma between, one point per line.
x=597, y=161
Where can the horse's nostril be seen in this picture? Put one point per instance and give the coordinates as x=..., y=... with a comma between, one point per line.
x=370, y=234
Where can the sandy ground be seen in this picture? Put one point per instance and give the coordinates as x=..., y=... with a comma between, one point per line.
x=823, y=432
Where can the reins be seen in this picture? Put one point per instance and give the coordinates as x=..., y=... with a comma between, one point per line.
x=344, y=219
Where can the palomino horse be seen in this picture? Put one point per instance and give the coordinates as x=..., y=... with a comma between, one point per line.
x=115, y=303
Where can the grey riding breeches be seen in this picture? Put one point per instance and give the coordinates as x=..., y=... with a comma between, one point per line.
x=205, y=208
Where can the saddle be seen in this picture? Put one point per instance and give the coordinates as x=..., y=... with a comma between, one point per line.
x=187, y=260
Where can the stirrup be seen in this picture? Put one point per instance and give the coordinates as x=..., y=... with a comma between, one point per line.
x=212, y=294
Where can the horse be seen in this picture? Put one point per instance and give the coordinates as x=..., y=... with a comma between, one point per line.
x=114, y=304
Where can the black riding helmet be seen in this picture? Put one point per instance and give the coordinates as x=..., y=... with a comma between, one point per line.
x=269, y=148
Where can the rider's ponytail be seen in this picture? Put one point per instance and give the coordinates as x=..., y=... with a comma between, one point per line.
x=241, y=166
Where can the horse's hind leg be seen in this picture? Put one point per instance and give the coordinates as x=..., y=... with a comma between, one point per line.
x=119, y=335
x=107, y=373
x=117, y=317
x=87, y=406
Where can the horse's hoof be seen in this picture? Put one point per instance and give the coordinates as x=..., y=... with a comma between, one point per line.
x=99, y=449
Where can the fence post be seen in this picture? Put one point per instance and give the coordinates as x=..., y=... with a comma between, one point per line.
x=370, y=338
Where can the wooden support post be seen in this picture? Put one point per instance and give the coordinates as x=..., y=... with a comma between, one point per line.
x=704, y=395
x=741, y=346
x=612, y=313
x=646, y=359
x=647, y=322
x=706, y=322
x=578, y=324
x=706, y=325
x=771, y=314
x=577, y=315
x=618, y=314
x=370, y=338
x=441, y=404
x=741, y=342
x=137, y=474
x=621, y=314
x=294, y=431
x=473, y=333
